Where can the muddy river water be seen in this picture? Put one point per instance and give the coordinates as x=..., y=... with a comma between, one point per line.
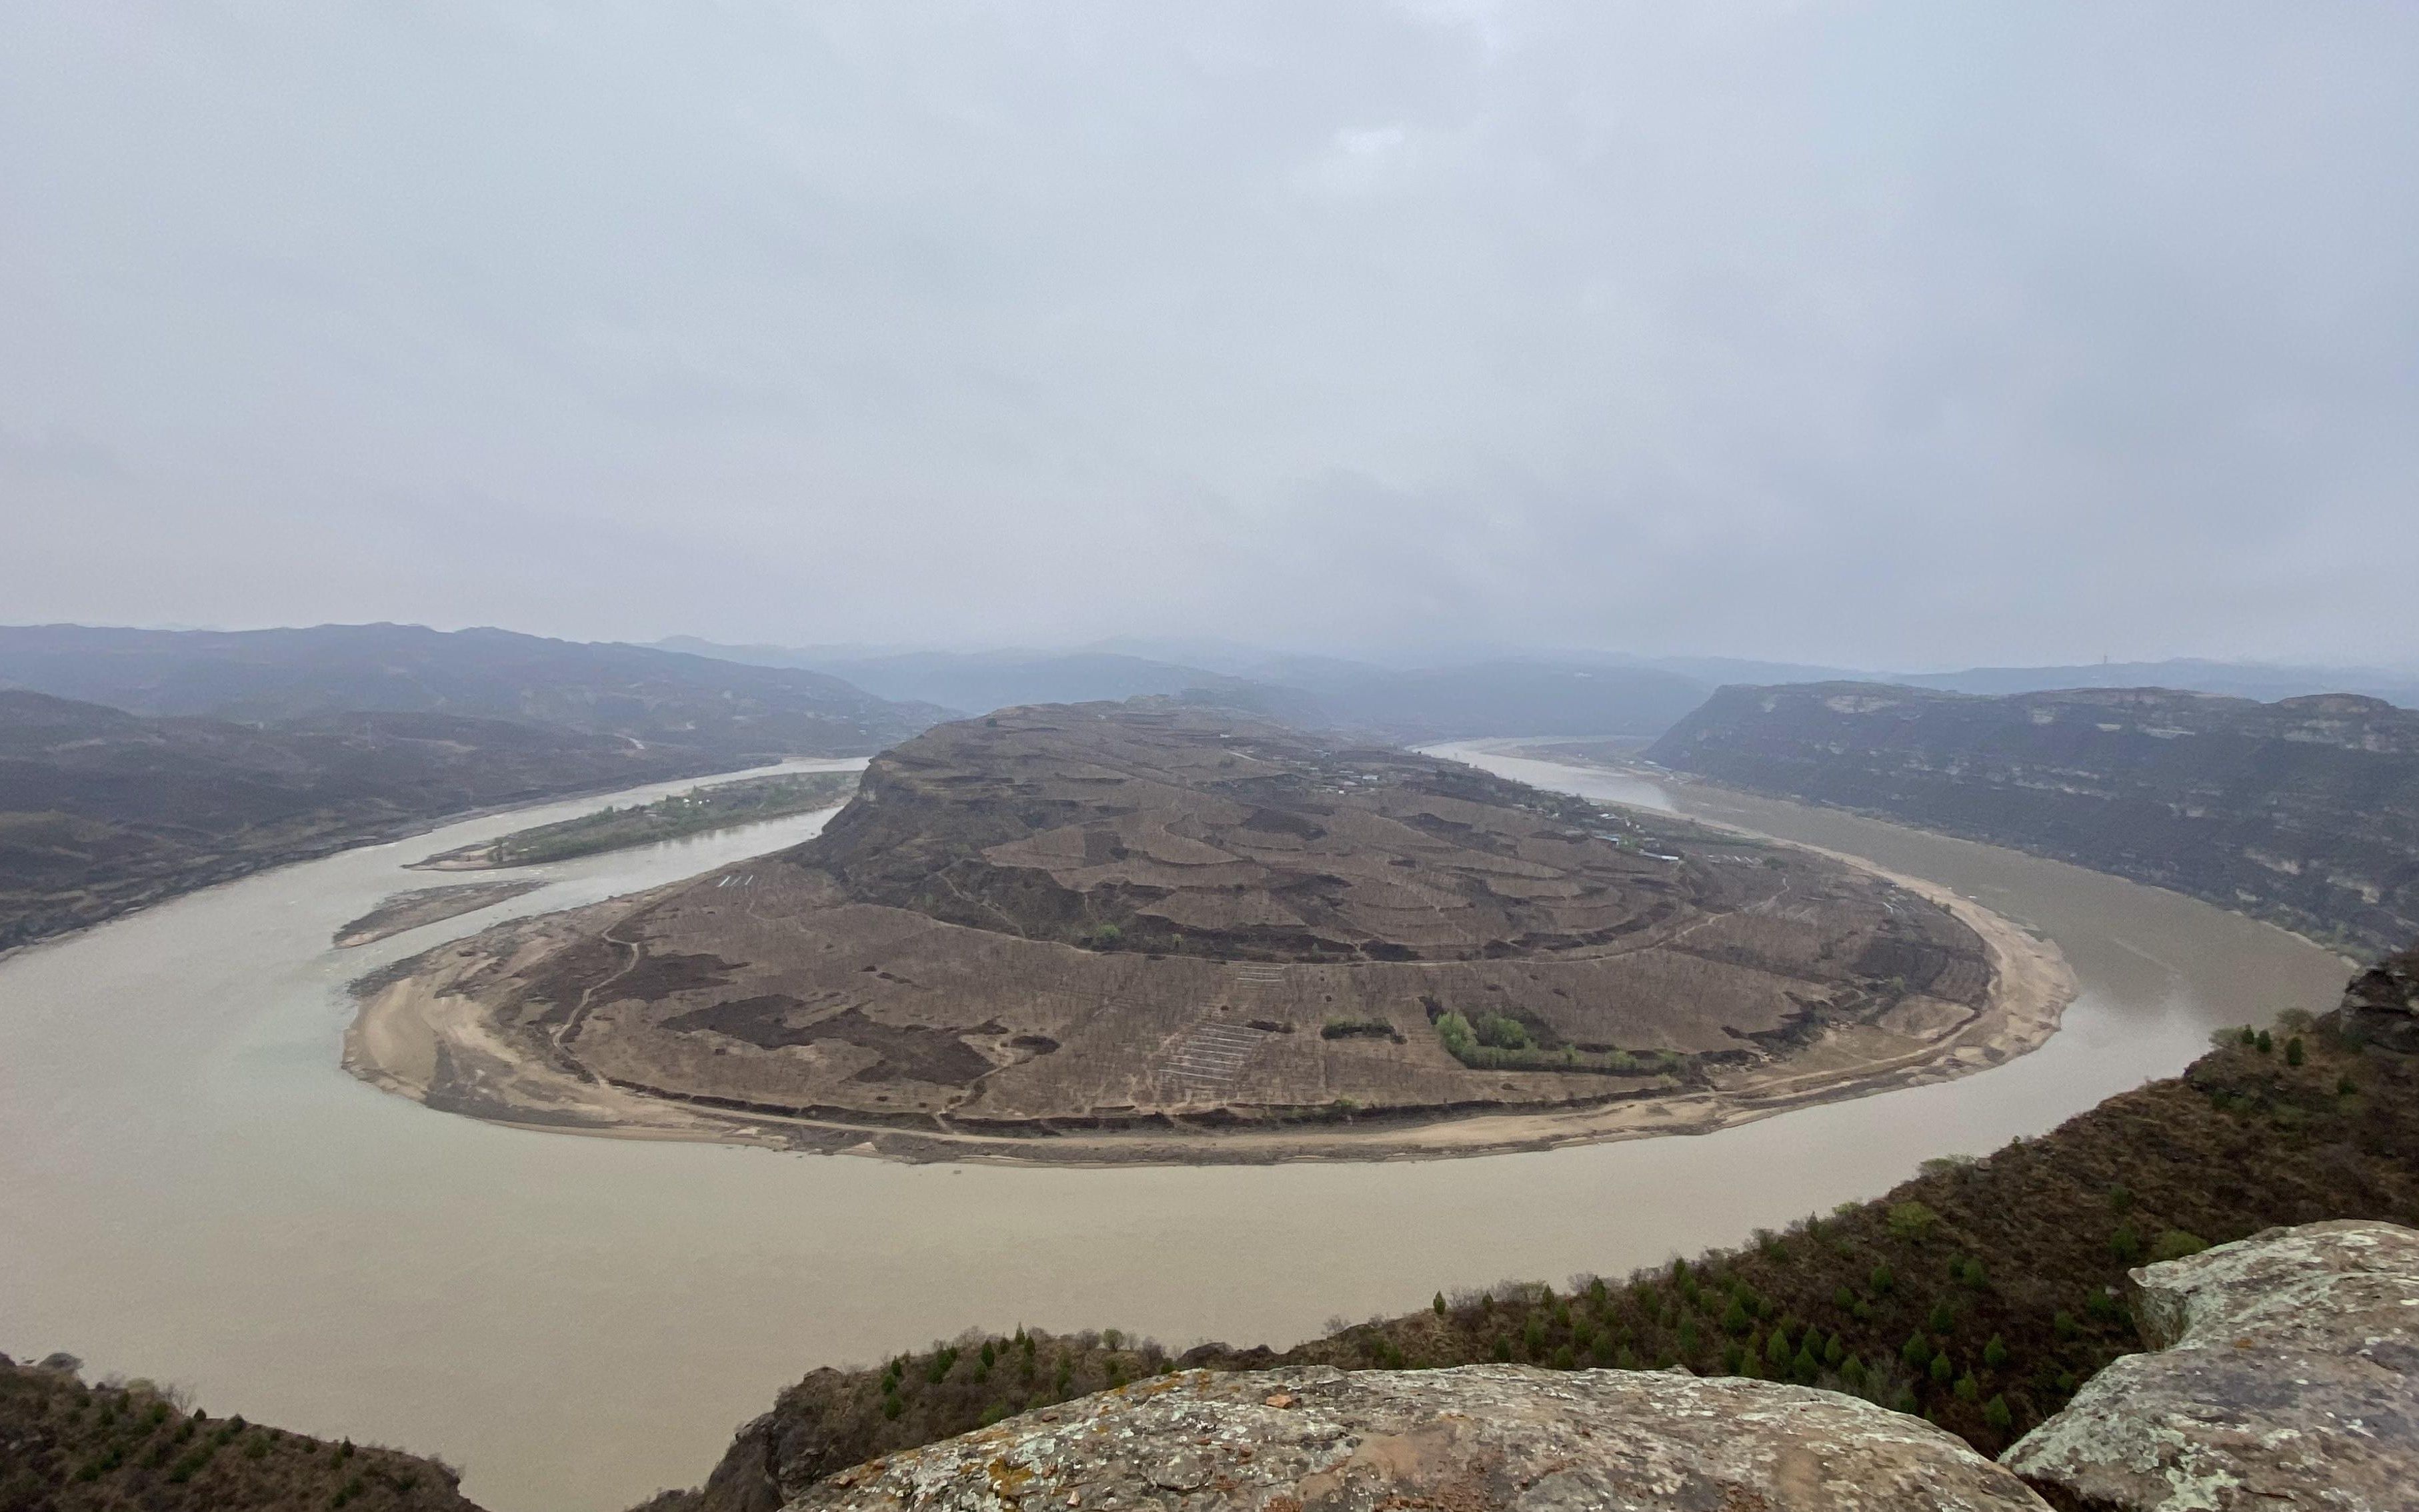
x=191, y=1188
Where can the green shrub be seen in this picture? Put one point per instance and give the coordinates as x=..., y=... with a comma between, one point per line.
x=2176, y=1244
x=1943, y=1318
x=1995, y=1413
x=1912, y=1221
x=2267, y=1042
x=2125, y=1244
x=1941, y=1369
x=2294, y=1055
x=1994, y=1354
x=1437, y=1305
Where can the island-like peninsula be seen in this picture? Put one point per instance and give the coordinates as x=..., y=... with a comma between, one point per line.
x=1158, y=932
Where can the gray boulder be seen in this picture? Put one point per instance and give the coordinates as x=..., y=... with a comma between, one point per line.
x=2286, y=1375
x=1472, y=1440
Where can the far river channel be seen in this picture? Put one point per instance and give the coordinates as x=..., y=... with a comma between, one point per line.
x=192, y=1190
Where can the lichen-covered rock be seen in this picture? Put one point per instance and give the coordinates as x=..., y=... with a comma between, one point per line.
x=2287, y=1376
x=1481, y=1437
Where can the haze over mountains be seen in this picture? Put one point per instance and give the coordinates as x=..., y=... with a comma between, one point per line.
x=137, y=764
x=285, y=743
x=1503, y=693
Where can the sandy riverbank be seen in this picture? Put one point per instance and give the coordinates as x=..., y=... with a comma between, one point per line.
x=426, y=1037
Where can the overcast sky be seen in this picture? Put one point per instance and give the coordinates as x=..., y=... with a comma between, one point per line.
x=1904, y=335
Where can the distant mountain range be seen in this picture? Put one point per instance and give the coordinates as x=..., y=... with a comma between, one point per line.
x=2304, y=811
x=2233, y=679
x=651, y=697
x=137, y=764
x=1494, y=697
x=291, y=741
x=1566, y=694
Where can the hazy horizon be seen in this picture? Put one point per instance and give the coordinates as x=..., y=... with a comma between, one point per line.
x=1874, y=336
x=1245, y=658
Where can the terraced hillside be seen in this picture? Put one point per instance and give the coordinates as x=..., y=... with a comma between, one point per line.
x=1098, y=915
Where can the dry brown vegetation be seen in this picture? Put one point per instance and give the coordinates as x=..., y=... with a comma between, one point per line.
x=1980, y=1295
x=1088, y=916
x=68, y=1447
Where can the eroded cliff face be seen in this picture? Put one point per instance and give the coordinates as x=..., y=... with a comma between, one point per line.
x=2382, y=1006
x=2304, y=812
x=1473, y=1439
x=2284, y=1373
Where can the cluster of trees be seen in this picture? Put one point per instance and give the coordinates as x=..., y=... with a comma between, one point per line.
x=1499, y=1041
x=982, y=1378
x=66, y=1446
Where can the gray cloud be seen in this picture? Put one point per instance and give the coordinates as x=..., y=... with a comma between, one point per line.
x=1892, y=334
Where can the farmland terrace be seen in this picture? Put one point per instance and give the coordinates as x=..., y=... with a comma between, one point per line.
x=1039, y=932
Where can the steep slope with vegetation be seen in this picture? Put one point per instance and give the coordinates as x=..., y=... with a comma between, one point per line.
x=249, y=750
x=2304, y=812
x=66, y=1446
x=1981, y=1294
x=103, y=812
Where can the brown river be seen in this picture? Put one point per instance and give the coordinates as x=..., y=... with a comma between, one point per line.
x=192, y=1190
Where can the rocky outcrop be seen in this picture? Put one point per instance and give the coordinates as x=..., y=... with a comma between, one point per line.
x=1481, y=1437
x=2285, y=1374
x=2304, y=812
x=2382, y=1006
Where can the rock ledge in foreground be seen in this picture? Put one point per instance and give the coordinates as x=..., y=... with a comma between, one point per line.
x=1473, y=1439
x=2286, y=1375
